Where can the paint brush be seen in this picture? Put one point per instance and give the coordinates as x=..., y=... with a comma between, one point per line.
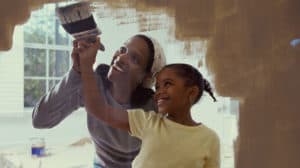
x=77, y=19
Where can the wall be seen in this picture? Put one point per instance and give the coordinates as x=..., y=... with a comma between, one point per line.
x=11, y=76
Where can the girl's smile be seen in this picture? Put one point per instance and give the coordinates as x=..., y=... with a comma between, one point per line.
x=171, y=93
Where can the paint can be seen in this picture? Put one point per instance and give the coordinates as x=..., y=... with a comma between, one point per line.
x=37, y=147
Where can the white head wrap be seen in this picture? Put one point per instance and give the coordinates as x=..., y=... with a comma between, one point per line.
x=159, y=62
x=159, y=57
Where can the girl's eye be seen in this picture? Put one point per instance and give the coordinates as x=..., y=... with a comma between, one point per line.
x=164, y=84
x=167, y=83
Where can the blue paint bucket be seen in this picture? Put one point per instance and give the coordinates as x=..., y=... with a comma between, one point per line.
x=37, y=147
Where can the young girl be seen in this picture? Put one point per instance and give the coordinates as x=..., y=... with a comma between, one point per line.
x=170, y=138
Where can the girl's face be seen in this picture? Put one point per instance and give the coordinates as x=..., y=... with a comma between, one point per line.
x=171, y=95
x=129, y=62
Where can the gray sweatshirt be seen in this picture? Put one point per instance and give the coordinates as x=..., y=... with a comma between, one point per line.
x=114, y=148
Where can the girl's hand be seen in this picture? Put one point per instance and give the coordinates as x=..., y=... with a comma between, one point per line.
x=87, y=54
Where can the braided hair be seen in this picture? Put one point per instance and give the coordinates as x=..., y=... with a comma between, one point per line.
x=193, y=78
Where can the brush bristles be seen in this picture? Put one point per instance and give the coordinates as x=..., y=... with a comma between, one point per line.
x=78, y=21
x=81, y=25
x=74, y=12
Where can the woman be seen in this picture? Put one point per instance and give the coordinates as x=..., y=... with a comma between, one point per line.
x=124, y=84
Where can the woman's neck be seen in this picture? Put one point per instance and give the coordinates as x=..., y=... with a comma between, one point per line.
x=121, y=93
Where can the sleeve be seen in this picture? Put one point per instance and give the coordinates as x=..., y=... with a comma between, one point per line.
x=138, y=120
x=214, y=159
x=59, y=102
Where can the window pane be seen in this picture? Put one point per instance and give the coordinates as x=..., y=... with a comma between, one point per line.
x=58, y=63
x=56, y=33
x=33, y=90
x=35, y=29
x=50, y=29
x=61, y=36
x=34, y=62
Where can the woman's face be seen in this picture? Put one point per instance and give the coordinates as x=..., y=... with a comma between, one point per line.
x=129, y=63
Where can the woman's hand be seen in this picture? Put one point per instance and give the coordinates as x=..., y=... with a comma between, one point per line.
x=87, y=54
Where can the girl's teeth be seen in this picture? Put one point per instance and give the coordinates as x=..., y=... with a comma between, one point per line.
x=160, y=101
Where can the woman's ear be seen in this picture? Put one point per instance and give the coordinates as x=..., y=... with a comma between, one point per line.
x=193, y=93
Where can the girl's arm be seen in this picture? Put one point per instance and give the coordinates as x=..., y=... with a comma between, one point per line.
x=95, y=104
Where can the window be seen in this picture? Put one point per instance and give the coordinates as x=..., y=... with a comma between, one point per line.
x=47, y=50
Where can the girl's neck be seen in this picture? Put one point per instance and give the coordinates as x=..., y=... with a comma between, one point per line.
x=121, y=93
